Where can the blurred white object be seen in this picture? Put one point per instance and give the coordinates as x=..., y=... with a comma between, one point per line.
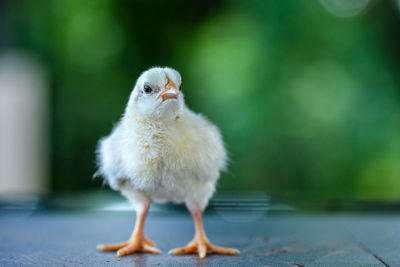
x=23, y=130
x=345, y=8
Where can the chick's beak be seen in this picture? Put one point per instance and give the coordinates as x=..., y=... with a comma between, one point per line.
x=170, y=91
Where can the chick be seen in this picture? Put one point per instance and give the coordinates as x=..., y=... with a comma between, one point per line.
x=162, y=151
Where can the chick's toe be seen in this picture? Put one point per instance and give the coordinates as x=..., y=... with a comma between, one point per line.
x=134, y=245
x=202, y=247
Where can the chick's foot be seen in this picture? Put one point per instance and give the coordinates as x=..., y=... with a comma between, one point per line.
x=202, y=246
x=135, y=244
x=200, y=243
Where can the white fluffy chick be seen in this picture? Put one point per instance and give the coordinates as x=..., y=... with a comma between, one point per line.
x=161, y=151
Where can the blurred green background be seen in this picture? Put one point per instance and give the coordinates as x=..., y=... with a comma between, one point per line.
x=306, y=93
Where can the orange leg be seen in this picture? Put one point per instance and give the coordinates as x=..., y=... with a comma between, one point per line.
x=137, y=242
x=200, y=243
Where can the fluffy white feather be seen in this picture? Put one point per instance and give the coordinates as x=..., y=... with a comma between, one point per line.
x=160, y=149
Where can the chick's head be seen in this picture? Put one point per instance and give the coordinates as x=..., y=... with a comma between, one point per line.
x=157, y=94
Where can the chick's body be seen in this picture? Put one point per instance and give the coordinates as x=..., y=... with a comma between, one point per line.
x=177, y=161
x=161, y=151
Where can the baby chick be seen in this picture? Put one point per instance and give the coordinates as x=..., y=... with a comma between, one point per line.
x=162, y=151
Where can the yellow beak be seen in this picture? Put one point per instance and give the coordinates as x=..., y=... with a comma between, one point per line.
x=170, y=91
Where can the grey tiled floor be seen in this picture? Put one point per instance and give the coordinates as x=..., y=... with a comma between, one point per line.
x=70, y=238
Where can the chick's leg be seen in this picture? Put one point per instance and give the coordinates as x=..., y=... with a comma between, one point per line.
x=137, y=242
x=200, y=243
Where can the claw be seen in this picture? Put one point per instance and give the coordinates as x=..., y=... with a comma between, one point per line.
x=202, y=250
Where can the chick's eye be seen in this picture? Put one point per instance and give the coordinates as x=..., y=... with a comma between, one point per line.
x=180, y=87
x=147, y=89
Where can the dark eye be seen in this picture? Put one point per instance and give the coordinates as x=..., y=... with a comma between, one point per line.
x=147, y=89
x=180, y=87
